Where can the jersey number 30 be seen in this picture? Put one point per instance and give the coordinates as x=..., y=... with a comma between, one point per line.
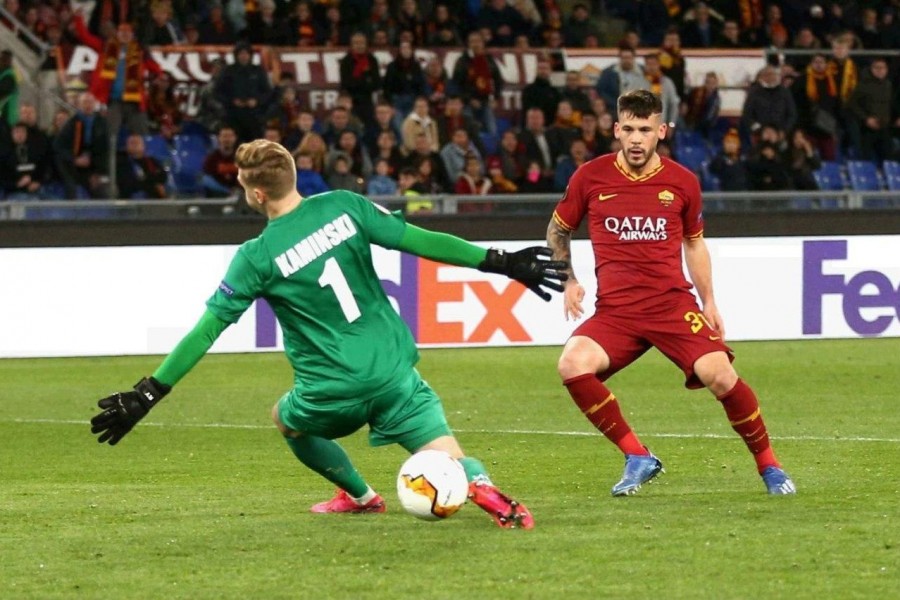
x=333, y=277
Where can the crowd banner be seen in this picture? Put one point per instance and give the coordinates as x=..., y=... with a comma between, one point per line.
x=317, y=72
x=62, y=301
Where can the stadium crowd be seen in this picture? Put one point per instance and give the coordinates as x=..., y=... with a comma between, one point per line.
x=418, y=129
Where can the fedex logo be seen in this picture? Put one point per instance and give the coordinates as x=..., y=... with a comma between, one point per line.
x=881, y=291
x=419, y=294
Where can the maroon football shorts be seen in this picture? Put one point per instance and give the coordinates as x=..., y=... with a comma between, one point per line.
x=679, y=330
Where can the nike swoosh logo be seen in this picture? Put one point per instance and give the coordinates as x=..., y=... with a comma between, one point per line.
x=606, y=196
x=713, y=338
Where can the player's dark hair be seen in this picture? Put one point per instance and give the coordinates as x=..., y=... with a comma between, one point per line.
x=640, y=103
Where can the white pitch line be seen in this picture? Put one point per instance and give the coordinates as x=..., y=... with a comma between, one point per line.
x=712, y=436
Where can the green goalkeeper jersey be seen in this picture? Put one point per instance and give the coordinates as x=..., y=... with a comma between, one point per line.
x=314, y=267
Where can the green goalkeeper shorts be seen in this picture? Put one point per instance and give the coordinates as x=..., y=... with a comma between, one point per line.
x=409, y=414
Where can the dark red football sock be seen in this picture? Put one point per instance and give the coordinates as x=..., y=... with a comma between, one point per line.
x=601, y=408
x=743, y=412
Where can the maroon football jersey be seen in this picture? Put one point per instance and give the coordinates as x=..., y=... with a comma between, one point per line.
x=636, y=226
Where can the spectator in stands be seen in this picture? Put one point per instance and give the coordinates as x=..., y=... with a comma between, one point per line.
x=162, y=103
x=272, y=133
x=802, y=160
x=335, y=32
x=243, y=90
x=818, y=103
x=298, y=130
x=532, y=15
x=768, y=103
x=773, y=28
x=729, y=165
x=162, y=29
x=313, y=144
x=338, y=121
x=730, y=37
x=671, y=61
x=419, y=122
x=537, y=145
x=663, y=87
x=139, y=175
x=423, y=152
x=869, y=108
x=436, y=84
x=500, y=183
x=381, y=183
x=620, y=78
x=381, y=19
x=478, y=80
x=265, y=27
x=578, y=26
x=345, y=101
x=701, y=31
x=455, y=153
x=408, y=185
x=704, y=105
x=534, y=181
x=803, y=40
x=112, y=12
x=589, y=134
x=216, y=30
x=285, y=108
x=303, y=29
x=564, y=129
x=36, y=137
x=443, y=30
x=568, y=163
x=384, y=121
x=846, y=77
x=404, y=81
x=503, y=21
x=428, y=174
x=766, y=170
x=574, y=95
x=606, y=133
x=309, y=180
x=118, y=81
x=386, y=148
x=220, y=172
x=360, y=77
x=341, y=176
x=411, y=20
x=51, y=76
x=452, y=119
x=512, y=156
x=81, y=151
x=650, y=21
x=211, y=111
x=472, y=182
x=24, y=165
x=348, y=145
x=540, y=93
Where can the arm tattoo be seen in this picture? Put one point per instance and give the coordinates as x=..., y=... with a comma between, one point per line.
x=559, y=240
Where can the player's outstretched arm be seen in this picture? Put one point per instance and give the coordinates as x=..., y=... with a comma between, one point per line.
x=529, y=266
x=120, y=412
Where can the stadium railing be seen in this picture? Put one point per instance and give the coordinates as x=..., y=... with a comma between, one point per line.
x=445, y=204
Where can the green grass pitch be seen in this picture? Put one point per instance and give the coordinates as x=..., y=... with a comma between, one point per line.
x=203, y=500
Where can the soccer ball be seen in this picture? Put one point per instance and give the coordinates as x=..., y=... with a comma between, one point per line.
x=432, y=485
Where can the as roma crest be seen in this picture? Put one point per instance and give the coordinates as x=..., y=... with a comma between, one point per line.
x=666, y=197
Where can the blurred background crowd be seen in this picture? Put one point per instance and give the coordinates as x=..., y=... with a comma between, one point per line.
x=828, y=95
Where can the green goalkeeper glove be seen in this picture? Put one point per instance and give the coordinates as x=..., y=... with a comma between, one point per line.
x=123, y=410
x=528, y=268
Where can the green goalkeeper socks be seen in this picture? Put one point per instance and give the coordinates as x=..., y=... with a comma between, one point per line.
x=475, y=471
x=328, y=459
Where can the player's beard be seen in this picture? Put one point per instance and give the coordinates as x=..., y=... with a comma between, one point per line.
x=638, y=162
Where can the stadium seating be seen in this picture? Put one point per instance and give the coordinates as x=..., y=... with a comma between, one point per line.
x=155, y=146
x=692, y=156
x=863, y=176
x=490, y=143
x=190, y=152
x=892, y=174
x=830, y=177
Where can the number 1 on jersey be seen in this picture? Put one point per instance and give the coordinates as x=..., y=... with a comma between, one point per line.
x=333, y=276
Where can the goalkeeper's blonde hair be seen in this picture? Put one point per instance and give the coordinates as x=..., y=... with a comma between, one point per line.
x=267, y=166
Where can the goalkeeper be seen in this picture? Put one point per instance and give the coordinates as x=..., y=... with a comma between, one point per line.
x=353, y=356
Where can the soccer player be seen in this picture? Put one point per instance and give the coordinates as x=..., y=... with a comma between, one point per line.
x=643, y=212
x=353, y=357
